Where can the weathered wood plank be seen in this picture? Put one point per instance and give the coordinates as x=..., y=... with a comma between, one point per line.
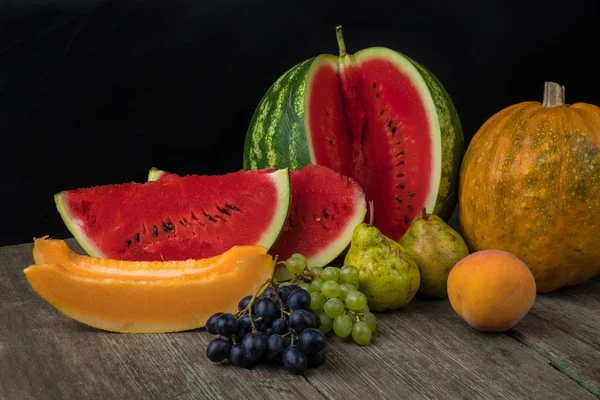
x=564, y=327
x=424, y=351
x=427, y=352
x=44, y=355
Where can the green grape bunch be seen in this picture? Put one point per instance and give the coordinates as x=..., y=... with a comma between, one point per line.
x=336, y=298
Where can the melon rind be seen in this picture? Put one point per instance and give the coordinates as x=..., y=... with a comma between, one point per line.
x=74, y=226
x=283, y=185
x=281, y=181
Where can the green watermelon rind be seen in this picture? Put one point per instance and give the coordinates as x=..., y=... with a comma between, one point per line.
x=73, y=226
x=281, y=181
x=273, y=116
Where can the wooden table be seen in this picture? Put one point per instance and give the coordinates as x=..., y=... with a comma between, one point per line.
x=424, y=351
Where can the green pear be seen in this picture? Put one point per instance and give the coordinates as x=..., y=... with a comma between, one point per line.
x=436, y=248
x=387, y=275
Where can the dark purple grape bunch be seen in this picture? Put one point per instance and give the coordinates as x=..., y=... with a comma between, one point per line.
x=275, y=325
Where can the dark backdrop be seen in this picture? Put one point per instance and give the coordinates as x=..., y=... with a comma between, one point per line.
x=96, y=92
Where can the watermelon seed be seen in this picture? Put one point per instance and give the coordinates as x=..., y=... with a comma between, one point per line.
x=411, y=208
x=400, y=163
x=224, y=211
x=390, y=123
x=210, y=218
x=399, y=199
x=326, y=213
x=137, y=237
x=168, y=227
x=381, y=112
x=316, y=218
x=406, y=219
x=155, y=229
x=401, y=186
x=374, y=85
x=393, y=131
x=401, y=175
x=232, y=207
x=128, y=243
x=399, y=154
x=411, y=194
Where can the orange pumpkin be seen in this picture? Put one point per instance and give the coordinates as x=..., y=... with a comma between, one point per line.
x=530, y=185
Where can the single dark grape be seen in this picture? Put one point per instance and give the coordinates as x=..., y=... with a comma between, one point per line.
x=227, y=325
x=211, y=323
x=218, y=350
x=244, y=303
x=274, y=347
x=237, y=358
x=316, y=318
x=280, y=326
x=287, y=341
x=285, y=291
x=294, y=360
x=245, y=326
x=298, y=300
x=311, y=340
x=300, y=320
x=269, y=332
x=267, y=309
x=269, y=292
x=315, y=360
x=254, y=345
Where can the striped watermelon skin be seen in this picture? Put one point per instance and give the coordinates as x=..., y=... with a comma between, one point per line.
x=453, y=144
x=278, y=136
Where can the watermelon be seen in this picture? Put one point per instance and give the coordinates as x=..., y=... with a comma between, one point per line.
x=178, y=218
x=376, y=116
x=326, y=207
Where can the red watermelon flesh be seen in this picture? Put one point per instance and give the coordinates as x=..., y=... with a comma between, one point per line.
x=178, y=218
x=326, y=207
x=370, y=121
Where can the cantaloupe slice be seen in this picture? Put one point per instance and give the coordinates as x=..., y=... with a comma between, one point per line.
x=51, y=251
x=148, y=306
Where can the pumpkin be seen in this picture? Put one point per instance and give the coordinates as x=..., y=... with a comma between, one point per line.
x=530, y=185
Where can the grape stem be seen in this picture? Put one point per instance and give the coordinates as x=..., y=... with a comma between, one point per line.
x=248, y=308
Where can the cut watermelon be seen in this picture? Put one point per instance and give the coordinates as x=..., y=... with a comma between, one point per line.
x=178, y=218
x=376, y=116
x=326, y=207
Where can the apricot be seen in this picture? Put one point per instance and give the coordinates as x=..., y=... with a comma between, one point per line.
x=492, y=290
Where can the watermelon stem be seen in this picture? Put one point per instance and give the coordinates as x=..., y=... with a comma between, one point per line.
x=425, y=216
x=554, y=95
x=340, y=40
x=371, y=213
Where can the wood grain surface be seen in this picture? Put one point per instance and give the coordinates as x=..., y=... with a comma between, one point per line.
x=424, y=351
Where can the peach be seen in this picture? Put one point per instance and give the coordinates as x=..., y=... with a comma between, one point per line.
x=492, y=290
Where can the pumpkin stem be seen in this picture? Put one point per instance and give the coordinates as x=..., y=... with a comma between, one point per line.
x=340, y=40
x=371, y=212
x=554, y=95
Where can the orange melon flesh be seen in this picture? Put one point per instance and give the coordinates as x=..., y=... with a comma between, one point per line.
x=148, y=306
x=50, y=251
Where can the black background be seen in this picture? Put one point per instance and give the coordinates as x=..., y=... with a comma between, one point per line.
x=98, y=92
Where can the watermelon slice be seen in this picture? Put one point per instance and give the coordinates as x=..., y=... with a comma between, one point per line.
x=376, y=116
x=326, y=207
x=178, y=218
